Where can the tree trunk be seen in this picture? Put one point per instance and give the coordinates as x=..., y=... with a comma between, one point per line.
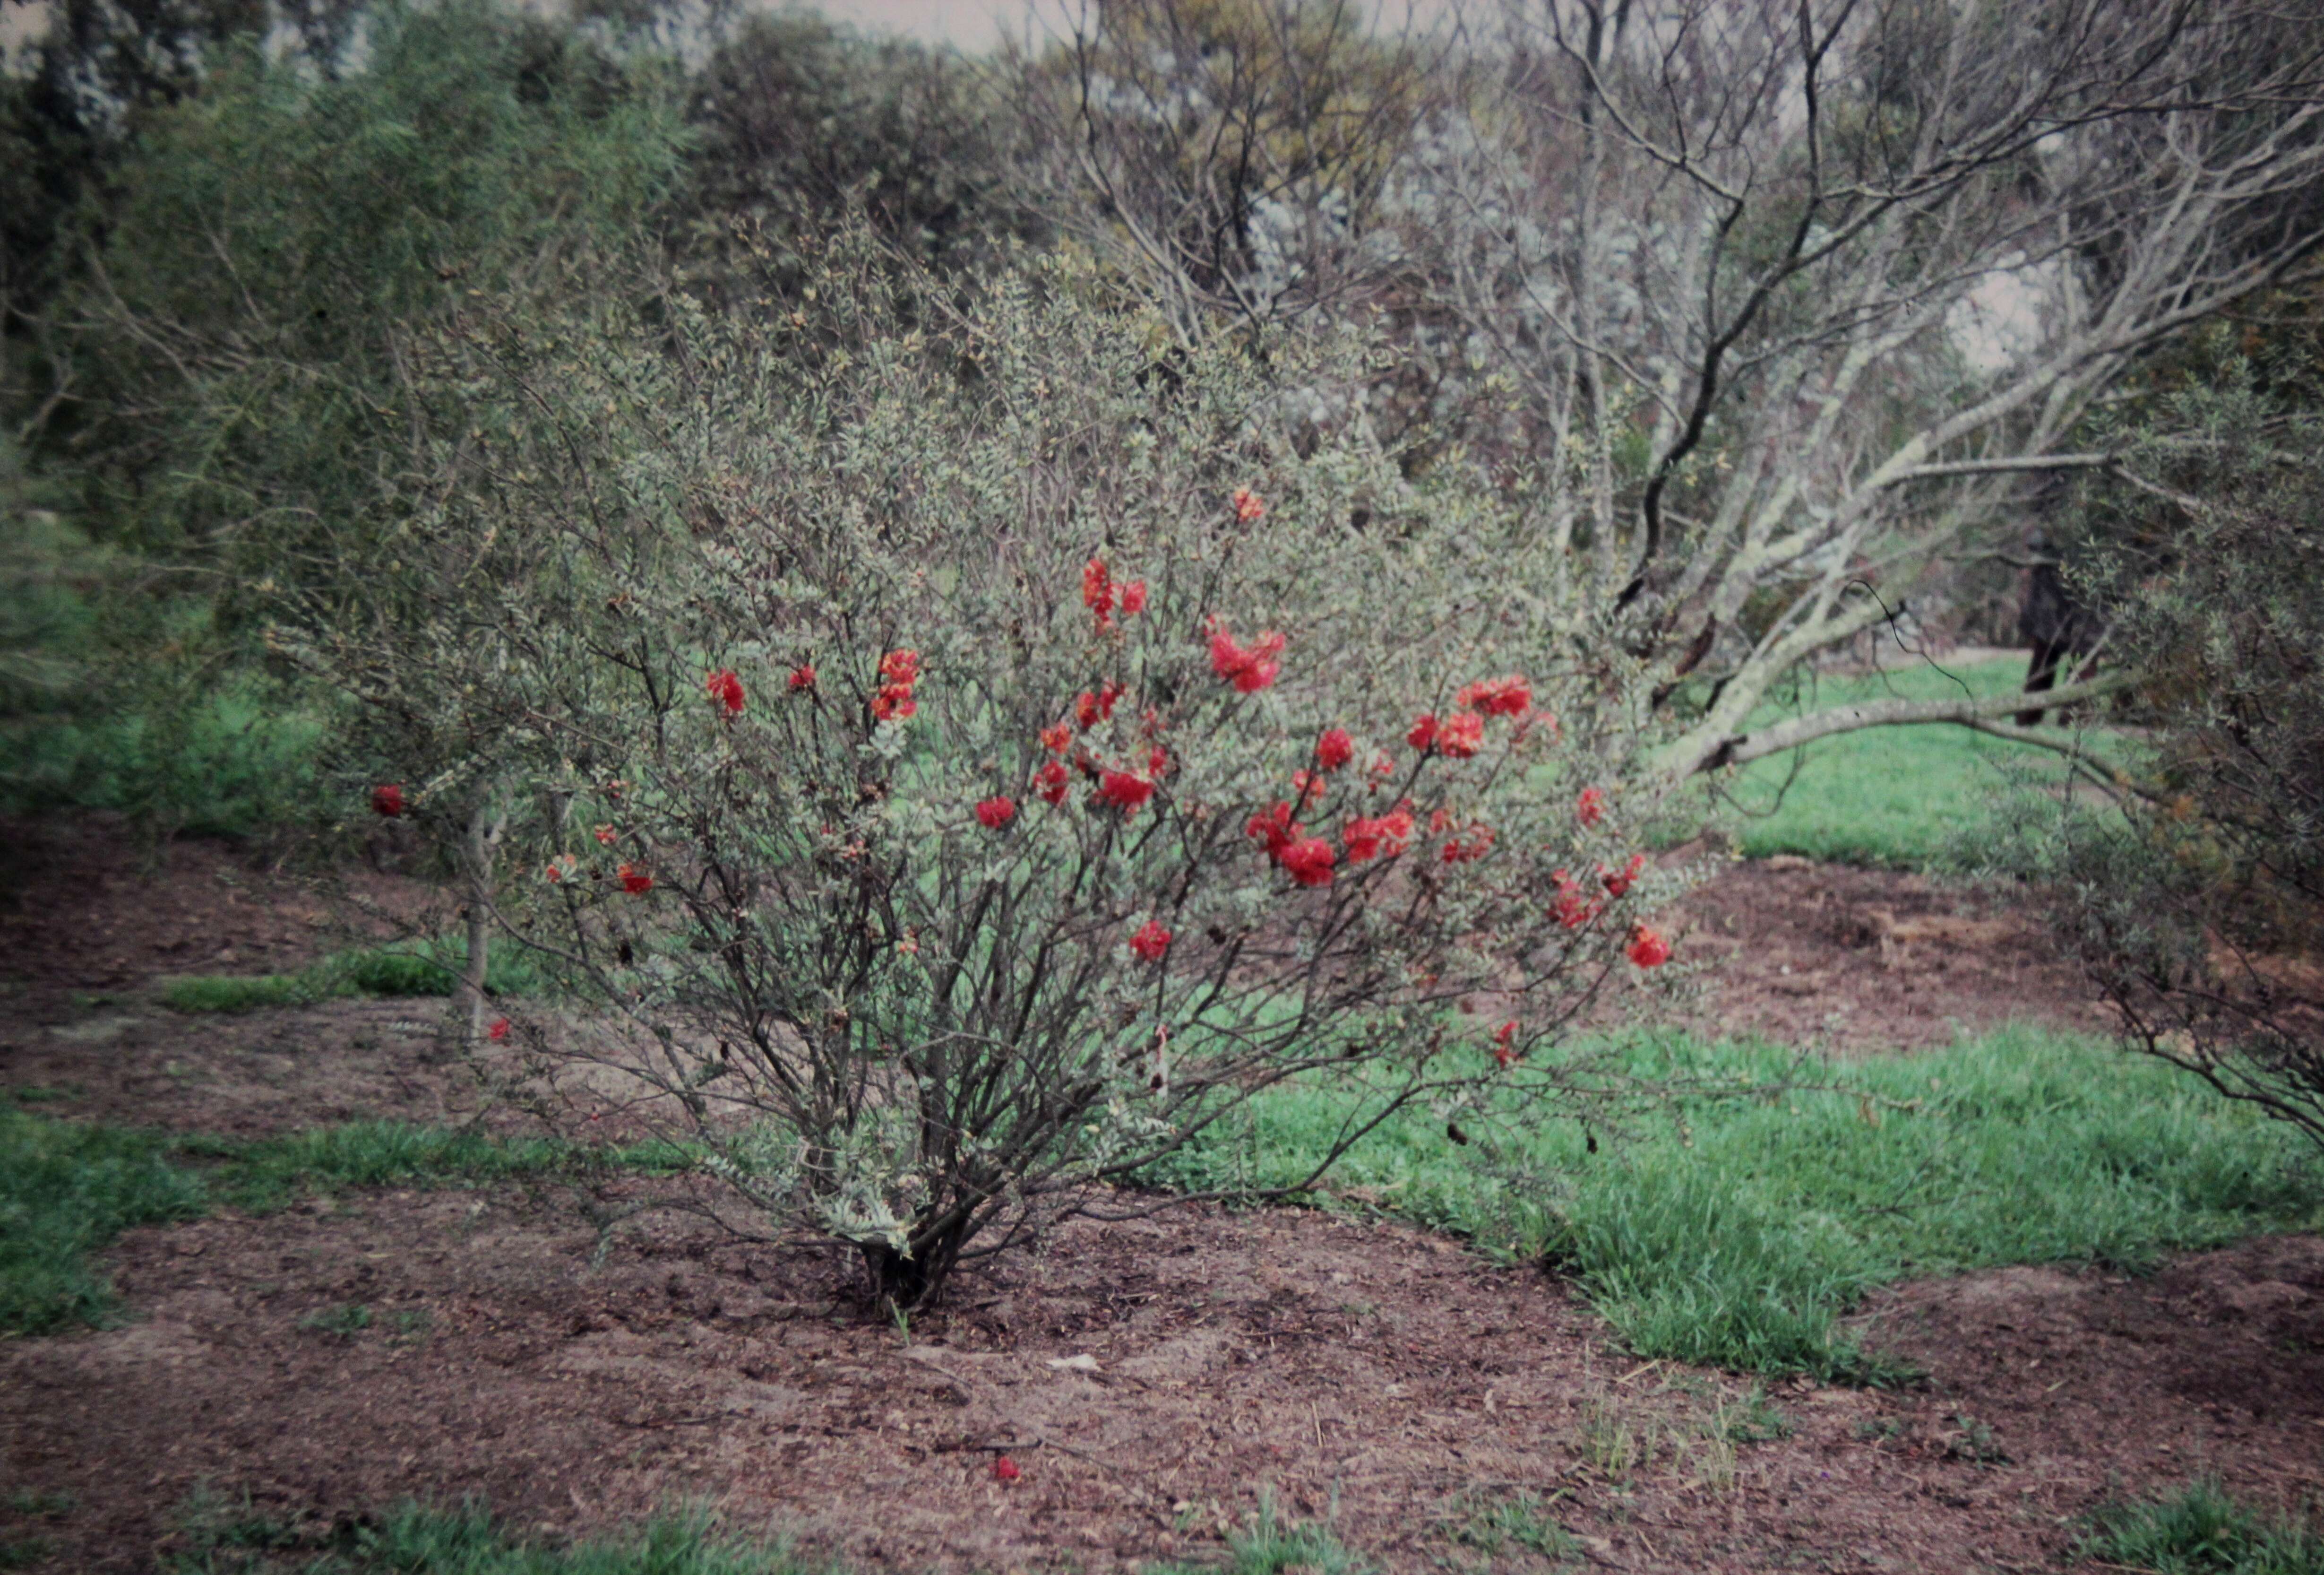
x=464, y=1022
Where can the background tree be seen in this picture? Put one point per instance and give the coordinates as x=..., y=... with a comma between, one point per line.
x=2198, y=902
x=1796, y=296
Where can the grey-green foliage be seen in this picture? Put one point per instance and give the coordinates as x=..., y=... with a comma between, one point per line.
x=2208, y=559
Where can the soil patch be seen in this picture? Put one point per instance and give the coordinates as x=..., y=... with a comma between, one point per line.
x=1858, y=960
x=1151, y=1378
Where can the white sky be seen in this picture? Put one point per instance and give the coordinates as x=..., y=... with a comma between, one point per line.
x=967, y=25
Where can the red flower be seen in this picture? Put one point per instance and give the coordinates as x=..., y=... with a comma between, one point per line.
x=997, y=812
x=1382, y=767
x=1504, y=1050
x=1055, y=737
x=1308, y=861
x=1123, y=790
x=802, y=677
x=1097, y=589
x=1618, y=881
x=1647, y=948
x=726, y=690
x=387, y=798
x=901, y=667
x=1249, y=510
x=1334, y=749
x=1396, y=829
x=1361, y=838
x=1151, y=941
x=1049, y=782
x=1479, y=844
x=894, y=703
x=1497, y=697
x=1572, y=909
x=1109, y=695
x=1461, y=735
x=1309, y=786
x=1275, y=828
x=1004, y=1469
x=1423, y=736
x=1157, y=762
x=498, y=1031
x=1085, y=712
x=1133, y=599
x=1591, y=807
x=634, y=881
x=1249, y=670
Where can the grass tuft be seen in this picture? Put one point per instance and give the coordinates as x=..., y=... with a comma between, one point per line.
x=394, y=972
x=418, y=1540
x=2202, y=1531
x=1738, y=1233
x=65, y=1190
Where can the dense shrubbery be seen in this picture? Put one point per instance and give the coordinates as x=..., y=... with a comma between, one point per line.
x=2199, y=900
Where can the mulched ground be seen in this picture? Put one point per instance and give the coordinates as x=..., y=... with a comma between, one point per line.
x=1362, y=1371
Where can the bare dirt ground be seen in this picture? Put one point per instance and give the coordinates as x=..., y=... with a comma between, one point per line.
x=1151, y=1378
x=1866, y=959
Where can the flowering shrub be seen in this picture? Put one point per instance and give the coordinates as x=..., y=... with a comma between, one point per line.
x=1035, y=869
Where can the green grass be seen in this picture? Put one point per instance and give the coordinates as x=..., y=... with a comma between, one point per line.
x=427, y=970
x=1900, y=797
x=235, y=761
x=1740, y=1240
x=415, y=1539
x=1270, y=1545
x=2203, y=1532
x=67, y=1189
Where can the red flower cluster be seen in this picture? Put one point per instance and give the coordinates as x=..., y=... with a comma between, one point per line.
x=1477, y=843
x=1572, y=909
x=725, y=691
x=1461, y=735
x=498, y=1031
x=1647, y=948
x=1056, y=738
x=634, y=881
x=1090, y=709
x=1497, y=697
x=1591, y=807
x=1504, y=1044
x=1101, y=594
x=1151, y=941
x=387, y=800
x=1456, y=737
x=1049, y=782
x=898, y=671
x=1305, y=859
x=997, y=812
x=1366, y=837
x=1124, y=791
x=1308, y=861
x=1004, y=1469
x=1249, y=670
x=604, y=834
x=1334, y=749
x=1618, y=881
x=802, y=677
x=1275, y=830
x=1249, y=510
